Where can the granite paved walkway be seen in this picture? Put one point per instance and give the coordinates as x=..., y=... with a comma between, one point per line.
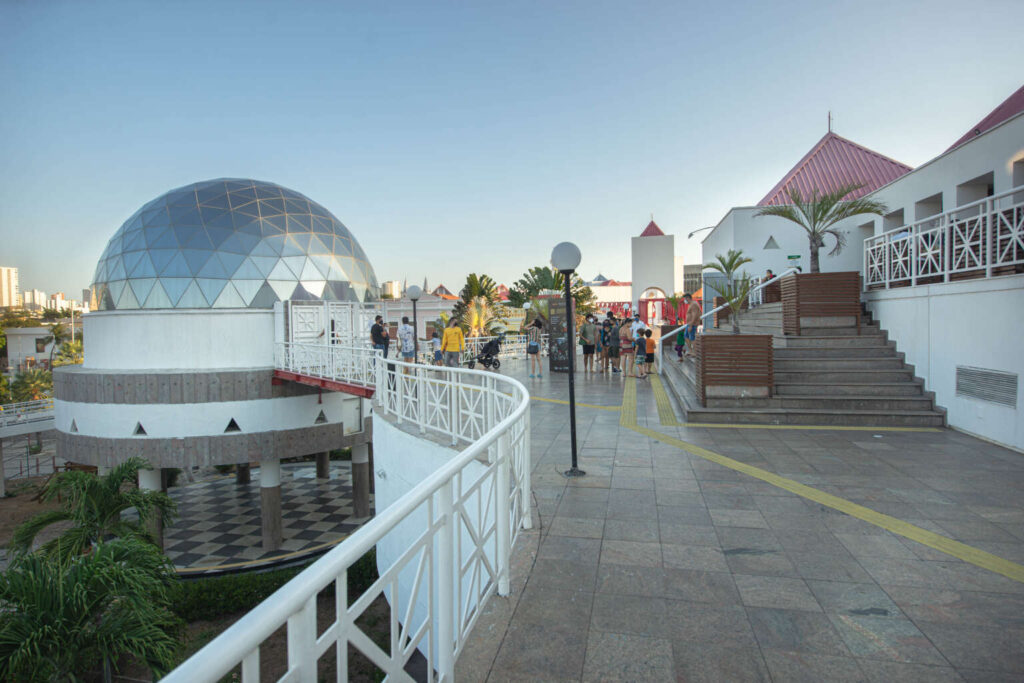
x=662, y=565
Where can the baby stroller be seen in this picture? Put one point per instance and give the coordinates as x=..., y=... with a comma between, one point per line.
x=488, y=356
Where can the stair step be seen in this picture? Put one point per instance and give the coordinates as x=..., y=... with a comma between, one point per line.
x=853, y=376
x=805, y=363
x=804, y=341
x=796, y=416
x=829, y=402
x=865, y=330
x=827, y=389
x=839, y=352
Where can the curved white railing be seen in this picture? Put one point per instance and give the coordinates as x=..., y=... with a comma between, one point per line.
x=25, y=412
x=464, y=518
x=351, y=364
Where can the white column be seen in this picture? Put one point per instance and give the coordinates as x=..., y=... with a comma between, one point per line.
x=361, y=480
x=149, y=480
x=270, y=502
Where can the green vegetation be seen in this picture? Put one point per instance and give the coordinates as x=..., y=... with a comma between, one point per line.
x=95, y=506
x=62, y=616
x=819, y=213
x=541, y=278
x=479, y=310
x=32, y=385
x=70, y=354
x=735, y=290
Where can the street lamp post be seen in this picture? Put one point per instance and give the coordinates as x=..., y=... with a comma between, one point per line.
x=414, y=293
x=565, y=257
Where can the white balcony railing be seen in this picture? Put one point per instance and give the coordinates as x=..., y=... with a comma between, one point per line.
x=13, y=414
x=463, y=520
x=972, y=240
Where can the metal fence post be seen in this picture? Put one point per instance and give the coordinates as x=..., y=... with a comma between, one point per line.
x=446, y=572
x=524, y=475
x=453, y=406
x=302, y=641
x=503, y=515
x=421, y=387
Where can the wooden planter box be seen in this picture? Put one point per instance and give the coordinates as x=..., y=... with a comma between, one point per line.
x=820, y=300
x=734, y=366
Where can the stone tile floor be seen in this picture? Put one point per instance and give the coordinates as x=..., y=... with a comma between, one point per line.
x=662, y=565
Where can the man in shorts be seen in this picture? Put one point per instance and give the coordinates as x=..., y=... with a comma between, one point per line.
x=407, y=337
x=587, y=333
x=693, y=314
x=613, y=342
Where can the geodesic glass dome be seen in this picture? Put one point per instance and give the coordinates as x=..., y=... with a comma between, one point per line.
x=230, y=243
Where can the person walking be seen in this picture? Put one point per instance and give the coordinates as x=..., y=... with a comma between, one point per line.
x=680, y=342
x=626, y=341
x=693, y=313
x=614, y=343
x=453, y=344
x=587, y=333
x=599, y=345
x=652, y=348
x=435, y=342
x=407, y=339
x=379, y=336
x=533, y=338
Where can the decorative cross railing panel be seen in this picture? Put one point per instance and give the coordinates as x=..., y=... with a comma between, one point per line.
x=980, y=239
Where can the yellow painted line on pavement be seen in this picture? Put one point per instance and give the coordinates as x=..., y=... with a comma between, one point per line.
x=962, y=551
x=627, y=416
x=666, y=415
x=578, y=404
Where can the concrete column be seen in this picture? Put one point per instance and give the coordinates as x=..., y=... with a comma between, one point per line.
x=243, y=473
x=373, y=486
x=323, y=465
x=270, y=502
x=361, y=479
x=150, y=480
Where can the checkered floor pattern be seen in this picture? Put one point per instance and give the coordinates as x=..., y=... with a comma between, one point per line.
x=219, y=520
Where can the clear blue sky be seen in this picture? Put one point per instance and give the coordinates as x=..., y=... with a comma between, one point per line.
x=452, y=137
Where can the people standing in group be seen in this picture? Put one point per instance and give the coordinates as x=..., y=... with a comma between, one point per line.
x=639, y=345
x=599, y=343
x=379, y=335
x=587, y=333
x=614, y=343
x=533, y=338
x=435, y=343
x=626, y=342
x=693, y=314
x=453, y=344
x=407, y=339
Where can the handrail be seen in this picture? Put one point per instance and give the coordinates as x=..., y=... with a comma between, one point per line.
x=25, y=412
x=761, y=286
x=437, y=553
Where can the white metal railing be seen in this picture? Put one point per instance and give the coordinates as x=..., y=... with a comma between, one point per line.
x=348, y=363
x=463, y=518
x=974, y=238
x=704, y=316
x=13, y=414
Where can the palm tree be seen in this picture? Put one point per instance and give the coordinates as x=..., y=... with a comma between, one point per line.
x=674, y=300
x=728, y=265
x=58, y=333
x=482, y=319
x=478, y=290
x=61, y=618
x=732, y=291
x=70, y=354
x=32, y=385
x=94, y=504
x=542, y=278
x=819, y=213
x=735, y=293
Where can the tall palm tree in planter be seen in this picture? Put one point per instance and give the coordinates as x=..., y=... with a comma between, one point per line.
x=818, y=214
x=728, y=265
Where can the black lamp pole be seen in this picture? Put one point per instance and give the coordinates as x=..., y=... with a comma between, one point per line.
x=574, y=471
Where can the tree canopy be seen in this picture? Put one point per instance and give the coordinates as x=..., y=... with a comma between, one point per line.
x=541, y=278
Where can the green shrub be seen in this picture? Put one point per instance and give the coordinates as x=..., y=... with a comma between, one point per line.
x=224, y=469
x=218, y=596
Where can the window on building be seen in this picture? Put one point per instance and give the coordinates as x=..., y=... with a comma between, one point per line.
x=1018, y=180
x=893, y=220
x=40, y=344
x=928, y=207
x=975, y=189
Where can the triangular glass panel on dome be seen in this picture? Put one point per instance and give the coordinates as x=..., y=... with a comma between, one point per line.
x=292, y=248
x=263, y=248
x=233, y=185
x=314, y=287
x=240, y=242
x=183, y=195
x=166, y=240
x=282, y=272
x=342, y=246
x=299, y=206
x=106, y=302
x=211, y=215
x=209, y=193
x=175, y=287
x=211, y=287
x=271, y=207
x=116, y=287
x=219, y=201
x=142, y=287
x=302, y=239
x=247, y=270
x=274, y=225
x=323, y=264
x=345, y=270
x=242, y=196
x=247, y=288
x=229, y=298
x=323, y=225
x=185, y=215
x=275, y=243
x=329, y=294
x=230, y=261
x=127, y=300
x=115, y=269
x=200, y=240
x=133, y=223
x=193, y=298
x=265, y=191
x=265, y=298
x=311, y=272
x=265, y=264
x=246, y=211
x=157, y=298
x=176, y=267
x=317, y=246
x=295, y=264
x=156, y=217
x=196, y=259
x=213, y=268
x=299, y=223
x=225, y=220
x=300, y=293
x=131, y=259
x=135, y=241
x=283, y=288
x=253, y=227
x=219, y=235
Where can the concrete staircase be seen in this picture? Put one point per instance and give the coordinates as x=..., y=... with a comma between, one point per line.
x=826, y=376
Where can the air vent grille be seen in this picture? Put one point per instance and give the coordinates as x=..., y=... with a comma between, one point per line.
x=988, y=385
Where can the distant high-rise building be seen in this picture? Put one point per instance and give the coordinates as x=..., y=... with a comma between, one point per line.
x=34, y=300
x=9, y=291
x=392, y=289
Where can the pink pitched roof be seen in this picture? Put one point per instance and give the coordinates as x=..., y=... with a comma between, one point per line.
x=832, y=162
x=1011, y=106
x=652, y=230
